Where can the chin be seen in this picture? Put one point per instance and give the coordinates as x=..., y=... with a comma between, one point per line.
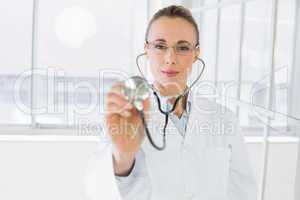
x=173, y=87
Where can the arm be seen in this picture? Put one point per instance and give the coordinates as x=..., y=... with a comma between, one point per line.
x=125, y=128
x=137, y=184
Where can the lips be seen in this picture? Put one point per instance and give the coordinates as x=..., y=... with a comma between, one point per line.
x=169, y=73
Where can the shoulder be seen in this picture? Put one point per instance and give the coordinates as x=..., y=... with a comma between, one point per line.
x=213, y=120
x=210, y=108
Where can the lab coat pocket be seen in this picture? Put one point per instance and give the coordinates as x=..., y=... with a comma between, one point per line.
x=217, y=164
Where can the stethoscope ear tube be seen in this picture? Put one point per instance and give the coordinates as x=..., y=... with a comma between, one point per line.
x=166, y=113
x=159, y=104
x=150, y=86
x=160, y=148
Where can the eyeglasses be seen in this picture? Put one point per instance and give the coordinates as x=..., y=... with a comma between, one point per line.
x=180, y=48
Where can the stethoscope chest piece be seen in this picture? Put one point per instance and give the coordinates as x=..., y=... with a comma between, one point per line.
x=136, y=91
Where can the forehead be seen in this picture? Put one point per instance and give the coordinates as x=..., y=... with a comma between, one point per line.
x=172, y=30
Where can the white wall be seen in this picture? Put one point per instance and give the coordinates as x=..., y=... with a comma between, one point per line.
x=41, y=169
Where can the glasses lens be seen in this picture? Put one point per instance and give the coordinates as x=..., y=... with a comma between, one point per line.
x=159, y=47
x=180, y=49
x=183, y=49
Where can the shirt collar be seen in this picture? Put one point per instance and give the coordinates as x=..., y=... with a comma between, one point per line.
x=188, y=105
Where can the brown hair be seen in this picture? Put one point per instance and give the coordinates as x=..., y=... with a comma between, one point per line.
x=175, y=11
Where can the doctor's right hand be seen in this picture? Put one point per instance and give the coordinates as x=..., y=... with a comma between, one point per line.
x=125, y=128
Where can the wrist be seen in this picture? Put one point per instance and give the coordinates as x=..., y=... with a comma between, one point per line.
x=123, y=163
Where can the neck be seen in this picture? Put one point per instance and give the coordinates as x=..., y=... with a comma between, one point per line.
x=180, y=107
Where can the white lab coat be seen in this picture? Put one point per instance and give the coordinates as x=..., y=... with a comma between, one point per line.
x=209, y=163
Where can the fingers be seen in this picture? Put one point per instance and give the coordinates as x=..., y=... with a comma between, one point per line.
x=123, y=121
x=116, y=109
x=124, y=128
x=146, y=104
x=116, y=102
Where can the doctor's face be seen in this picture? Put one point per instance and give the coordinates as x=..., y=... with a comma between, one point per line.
x=171, y=52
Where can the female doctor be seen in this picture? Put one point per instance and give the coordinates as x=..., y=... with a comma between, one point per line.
x=205, y=157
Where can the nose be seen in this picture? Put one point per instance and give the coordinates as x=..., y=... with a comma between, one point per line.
x=170, y=56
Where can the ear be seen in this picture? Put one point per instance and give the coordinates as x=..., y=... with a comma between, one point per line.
x=197, y=54
x=146, y=49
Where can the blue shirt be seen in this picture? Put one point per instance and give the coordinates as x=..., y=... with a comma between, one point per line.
x=180, y=122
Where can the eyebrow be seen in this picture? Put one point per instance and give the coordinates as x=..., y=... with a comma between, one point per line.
x=160, y=40
x=183, y=41
x=179, y=42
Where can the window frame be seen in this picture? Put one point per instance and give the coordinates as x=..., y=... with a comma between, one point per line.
x=62, y=129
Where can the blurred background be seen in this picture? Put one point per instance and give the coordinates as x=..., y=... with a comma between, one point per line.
x=59, y=58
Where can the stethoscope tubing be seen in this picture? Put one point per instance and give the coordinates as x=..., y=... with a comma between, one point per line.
x=166, y=113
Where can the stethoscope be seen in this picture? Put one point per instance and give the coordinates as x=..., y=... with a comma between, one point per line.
x=142, y=84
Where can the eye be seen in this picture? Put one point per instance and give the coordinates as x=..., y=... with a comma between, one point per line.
x=183, y=48
x=160, y=46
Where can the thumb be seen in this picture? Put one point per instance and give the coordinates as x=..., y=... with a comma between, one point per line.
x=146, y=104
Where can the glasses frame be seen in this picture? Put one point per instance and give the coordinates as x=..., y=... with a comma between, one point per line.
x=193, y=48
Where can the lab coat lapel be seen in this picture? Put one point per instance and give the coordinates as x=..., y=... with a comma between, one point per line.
x=205, y=154
x=164, y=167
x=196, y=166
